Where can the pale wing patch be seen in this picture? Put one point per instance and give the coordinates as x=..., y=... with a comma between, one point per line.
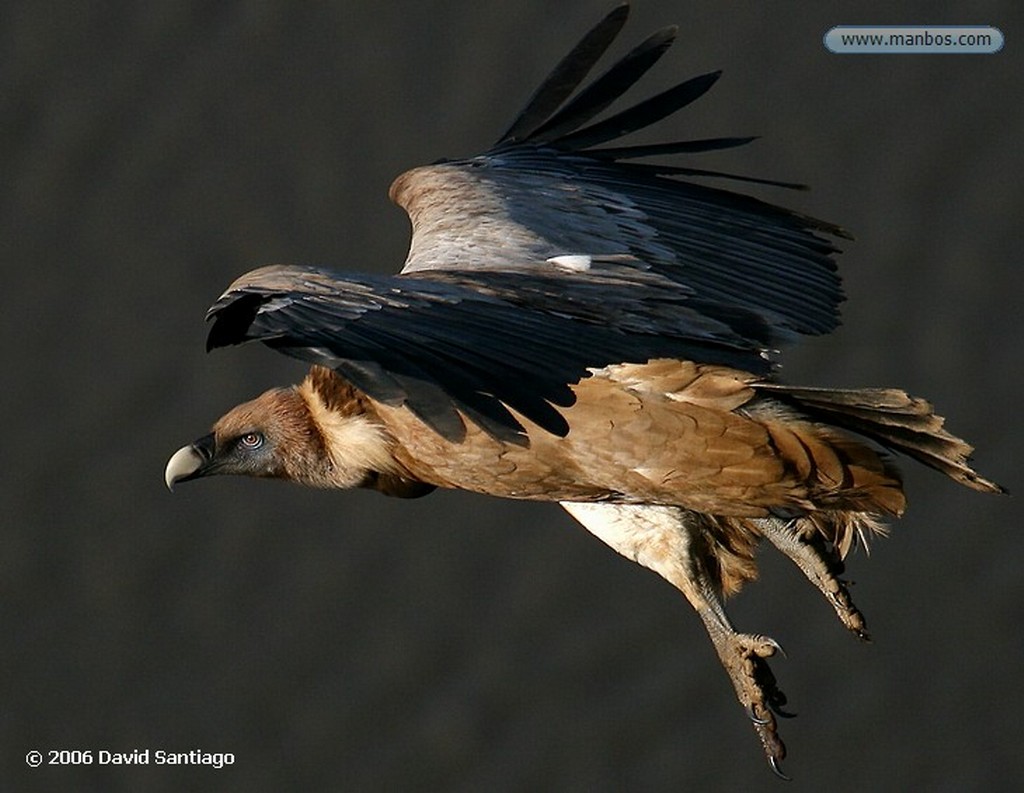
x=462, y=220
x=573, y=262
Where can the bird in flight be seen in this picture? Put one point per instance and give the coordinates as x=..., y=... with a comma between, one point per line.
x=578, y=323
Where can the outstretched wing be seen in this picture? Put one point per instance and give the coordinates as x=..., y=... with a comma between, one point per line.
x=546, y=256
x=479, y=343
x=544, y=192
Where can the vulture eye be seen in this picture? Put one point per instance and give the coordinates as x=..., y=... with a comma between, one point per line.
x=251, y=440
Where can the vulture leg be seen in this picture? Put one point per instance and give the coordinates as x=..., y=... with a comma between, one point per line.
x=819, y=563
x=674, y=543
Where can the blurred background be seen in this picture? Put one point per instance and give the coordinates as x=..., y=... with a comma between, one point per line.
x=151, y=152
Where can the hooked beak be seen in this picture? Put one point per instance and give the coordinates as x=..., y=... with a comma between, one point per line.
x=190, y=462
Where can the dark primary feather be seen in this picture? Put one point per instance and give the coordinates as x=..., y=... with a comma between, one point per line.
x=567, y=75
x=678, y=147
x=605, y=89
x=648, y=112
x=485, y=318
x=679, y=170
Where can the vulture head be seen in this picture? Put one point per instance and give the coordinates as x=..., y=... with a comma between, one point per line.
x=310, y=434
x=270, y=436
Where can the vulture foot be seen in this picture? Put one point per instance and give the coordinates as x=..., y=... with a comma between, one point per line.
x=820, y=564
x=743, y=656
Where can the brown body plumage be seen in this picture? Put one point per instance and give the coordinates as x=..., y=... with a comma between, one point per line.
x=673, y=433
x=570, y=327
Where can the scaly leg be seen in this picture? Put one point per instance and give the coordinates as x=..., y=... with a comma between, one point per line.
x=673, y=543
x=819, y=563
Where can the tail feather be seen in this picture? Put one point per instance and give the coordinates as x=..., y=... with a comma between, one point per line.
x=894, y=419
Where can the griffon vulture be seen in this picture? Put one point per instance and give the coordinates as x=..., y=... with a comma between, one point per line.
x=573, y=325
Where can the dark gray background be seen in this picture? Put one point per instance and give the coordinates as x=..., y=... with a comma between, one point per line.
x=154, y=151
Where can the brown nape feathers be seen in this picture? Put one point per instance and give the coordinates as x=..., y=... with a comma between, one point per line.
x=576, y=323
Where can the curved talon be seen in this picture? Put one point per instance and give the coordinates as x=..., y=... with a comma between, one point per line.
x=757, y=720
x=777, y=769
x=772, y=643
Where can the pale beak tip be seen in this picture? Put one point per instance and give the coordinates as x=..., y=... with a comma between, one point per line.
x=182, y=465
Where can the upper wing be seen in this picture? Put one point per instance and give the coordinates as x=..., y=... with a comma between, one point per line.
x=544, y=193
